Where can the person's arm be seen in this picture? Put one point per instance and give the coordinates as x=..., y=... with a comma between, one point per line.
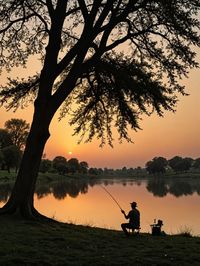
x=126, y=216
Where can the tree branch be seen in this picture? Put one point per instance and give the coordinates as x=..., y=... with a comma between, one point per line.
x=39, y=16
x=23, y=19
x=84, y=10
x=50, y=8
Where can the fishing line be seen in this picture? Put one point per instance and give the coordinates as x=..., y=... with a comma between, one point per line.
x=111, y=196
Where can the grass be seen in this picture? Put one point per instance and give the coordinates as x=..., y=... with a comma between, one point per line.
x=185, y=231
x=33, y=243
x=5, y=176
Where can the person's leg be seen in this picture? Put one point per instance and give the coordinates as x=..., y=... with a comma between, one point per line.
x=124, y=227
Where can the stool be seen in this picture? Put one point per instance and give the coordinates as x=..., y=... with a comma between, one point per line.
x=134, y=230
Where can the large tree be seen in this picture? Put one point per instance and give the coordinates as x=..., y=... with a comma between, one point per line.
x=113, y=60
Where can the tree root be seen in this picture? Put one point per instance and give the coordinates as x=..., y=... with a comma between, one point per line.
x=25, y=212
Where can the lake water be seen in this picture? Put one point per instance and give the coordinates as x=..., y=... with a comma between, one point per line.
x=176, y=202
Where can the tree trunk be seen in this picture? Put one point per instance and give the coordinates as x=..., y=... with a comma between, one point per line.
x=21, y=199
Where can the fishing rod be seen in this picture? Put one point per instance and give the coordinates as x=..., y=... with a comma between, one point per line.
x=111, y=196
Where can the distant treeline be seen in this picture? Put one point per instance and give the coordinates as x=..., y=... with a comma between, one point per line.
x=176, y=164
x=157, y=165
x=13, y=139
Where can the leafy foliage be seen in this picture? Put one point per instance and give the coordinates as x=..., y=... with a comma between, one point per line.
x=108, y=58
x=197, y=163
x=5, y=138
x=18, y=130
x=11, y=156
x=156, y=165
x=178, y=163
x=45, y=165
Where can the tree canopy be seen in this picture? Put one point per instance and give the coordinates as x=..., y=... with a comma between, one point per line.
x=5, y=139
x=108, y=57
x=18, y=130
x=156, y=165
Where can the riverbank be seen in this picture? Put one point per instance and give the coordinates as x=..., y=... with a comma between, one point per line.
x=44, y=178
x=53, y=243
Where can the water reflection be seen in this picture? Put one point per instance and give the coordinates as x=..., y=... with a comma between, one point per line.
x=5, y=190
x=60, y=190
x=85, y=202
x=181, y=188
x=159, y=187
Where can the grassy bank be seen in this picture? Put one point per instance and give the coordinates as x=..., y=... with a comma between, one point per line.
x=49, y=177
x=31, y=243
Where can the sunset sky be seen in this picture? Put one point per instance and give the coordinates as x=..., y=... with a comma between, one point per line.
x=174, y=134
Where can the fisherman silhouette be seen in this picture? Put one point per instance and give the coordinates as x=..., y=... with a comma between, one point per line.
x=134, y=219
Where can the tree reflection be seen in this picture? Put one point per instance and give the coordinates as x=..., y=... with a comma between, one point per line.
x=181, y=188
x=198, y=189
x=5, y=191
x=158, y=187
x=60, y=190
x=42, y=191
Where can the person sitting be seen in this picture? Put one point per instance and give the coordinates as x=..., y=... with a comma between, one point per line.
x=134, y=219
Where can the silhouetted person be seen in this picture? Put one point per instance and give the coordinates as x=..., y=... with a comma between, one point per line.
x=134, y=219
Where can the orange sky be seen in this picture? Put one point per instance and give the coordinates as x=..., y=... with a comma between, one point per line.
x=175, y=134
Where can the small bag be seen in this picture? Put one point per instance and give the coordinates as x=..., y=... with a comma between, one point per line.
x=156, y=228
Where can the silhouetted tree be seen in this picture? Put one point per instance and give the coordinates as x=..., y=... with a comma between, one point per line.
x=1, y=159
x=179, y=164
x=186, y=164
x=83, y=167
x=45, y=165
x=157, y=165
x=18, y=130
x=11, y=157
x=93, y=171
x=60, y=165
x=73, y=165
x=5, y=139
x=81, y=45
x=196, y=164
x=175, y=162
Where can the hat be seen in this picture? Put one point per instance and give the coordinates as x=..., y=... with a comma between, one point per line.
x=134, y=204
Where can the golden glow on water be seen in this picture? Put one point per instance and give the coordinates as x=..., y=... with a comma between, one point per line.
x=96, y=208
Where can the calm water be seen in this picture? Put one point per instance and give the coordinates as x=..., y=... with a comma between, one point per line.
x=176, y=202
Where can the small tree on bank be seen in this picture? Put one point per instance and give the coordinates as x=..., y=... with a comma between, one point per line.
x=81, y=45
x=11, y=157
x=59, y=163
x=196, y=164
x=179, y=164
x=156, y=165
x=5, y=139
x=18, y=130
